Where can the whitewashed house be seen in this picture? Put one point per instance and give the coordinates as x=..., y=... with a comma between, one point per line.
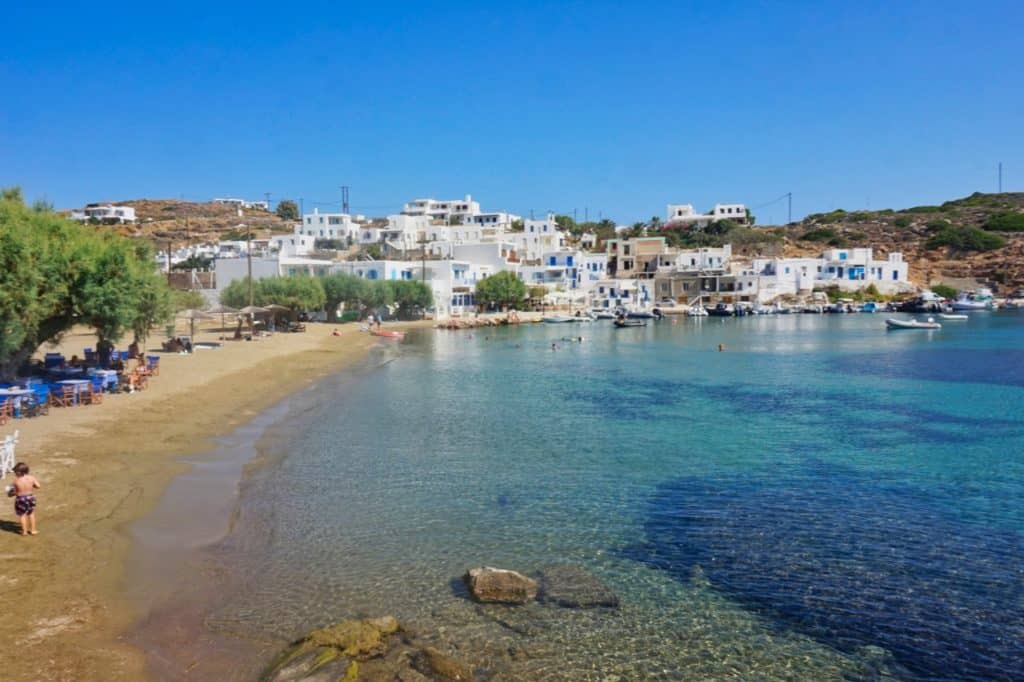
x=443, y=210
x=105, y=213
x=684, y=215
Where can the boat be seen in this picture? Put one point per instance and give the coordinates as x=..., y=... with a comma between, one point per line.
x=696, y=311
x=952, y=316
x=603, y=315
x=721, y=310
x=927, y=302
x=971, y=300
x=387, y=333
x=622, y=323
x=559, y=319
x=893, y=323
x=870, y=307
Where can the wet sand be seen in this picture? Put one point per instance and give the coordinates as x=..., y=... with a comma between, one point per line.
x=103, y=467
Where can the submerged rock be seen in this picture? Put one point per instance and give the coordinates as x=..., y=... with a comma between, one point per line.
x=332, y=653
x=432, y=662
x=573, y=587
x=498, y=585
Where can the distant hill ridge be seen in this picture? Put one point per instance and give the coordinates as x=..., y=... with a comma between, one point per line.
x=977, y=237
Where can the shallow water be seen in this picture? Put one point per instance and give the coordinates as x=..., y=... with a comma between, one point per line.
x=824, y=500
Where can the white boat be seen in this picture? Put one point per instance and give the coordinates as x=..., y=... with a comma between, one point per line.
x=560, y=319
x=893, y=323
x=973, y=300
x=603, y=314
x=696, y=311
x=952, y=316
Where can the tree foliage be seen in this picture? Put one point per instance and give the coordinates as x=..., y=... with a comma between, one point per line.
x=944, y=290
x=298, y=293
x=55, y=274
x=183, y=300
x=287, y=210
x=501, y=289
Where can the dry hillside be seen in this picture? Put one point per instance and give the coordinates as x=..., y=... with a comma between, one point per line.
x=979, y=237
x=162, y=220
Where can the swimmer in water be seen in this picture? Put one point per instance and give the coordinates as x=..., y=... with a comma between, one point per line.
x=721, y=347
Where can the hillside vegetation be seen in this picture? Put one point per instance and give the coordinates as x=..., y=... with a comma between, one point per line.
x=162, y=220
x=978, y=237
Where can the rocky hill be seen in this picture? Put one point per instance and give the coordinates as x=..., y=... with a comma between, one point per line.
x=179, y=221
x=980, y=237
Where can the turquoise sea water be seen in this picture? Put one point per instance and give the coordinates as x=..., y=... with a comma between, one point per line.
x=823, y=500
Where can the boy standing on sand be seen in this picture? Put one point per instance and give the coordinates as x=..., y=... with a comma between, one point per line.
x=24, y=500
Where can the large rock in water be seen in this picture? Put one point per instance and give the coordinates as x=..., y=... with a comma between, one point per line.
x=573, y=587
x=434, y=663
x=499, y=585
x=332, y=653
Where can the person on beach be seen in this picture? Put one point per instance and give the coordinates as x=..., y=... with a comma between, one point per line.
x=24, y=500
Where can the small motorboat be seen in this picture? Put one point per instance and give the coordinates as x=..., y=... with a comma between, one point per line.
x=387, y=333
x=697, y=311
x=622, y=323
x=560, y=319
x=603, y=315
x=893, y=323
x=953, y=316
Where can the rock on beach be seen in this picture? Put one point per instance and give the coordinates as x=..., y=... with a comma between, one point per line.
x=499, y=585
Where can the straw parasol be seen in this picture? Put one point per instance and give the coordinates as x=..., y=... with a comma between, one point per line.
x=191, y=314
x=222, y=310
x=251, y=311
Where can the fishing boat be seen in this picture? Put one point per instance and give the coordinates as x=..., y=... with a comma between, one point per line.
x=893, y=323
x=952, y=316
x=973, y=300
x=623, y=323
x=387, y=333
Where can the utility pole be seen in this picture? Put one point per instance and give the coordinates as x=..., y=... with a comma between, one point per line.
x=531, y=214
x=169, y=243
x=248, y=255
x=586, y=214
x=574, y=215
x=344, y=199
x=1000, y=177
x=302, y=209
x=789, y=209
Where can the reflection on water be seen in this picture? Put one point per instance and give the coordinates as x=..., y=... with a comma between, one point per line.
x=789, y=508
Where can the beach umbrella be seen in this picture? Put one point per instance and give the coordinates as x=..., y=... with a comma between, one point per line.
x=277, y=310
x=222, y=310
x=191, y=314
x=251, y=311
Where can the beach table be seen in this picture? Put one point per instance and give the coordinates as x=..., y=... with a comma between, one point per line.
x=15, y=395
x=79, y=384
x=108, y=376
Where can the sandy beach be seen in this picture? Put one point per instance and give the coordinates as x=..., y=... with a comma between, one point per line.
x=104, y=466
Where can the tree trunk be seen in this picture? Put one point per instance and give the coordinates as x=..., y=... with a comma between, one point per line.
x=9, y=367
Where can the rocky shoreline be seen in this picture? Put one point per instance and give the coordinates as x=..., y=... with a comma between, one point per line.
x=373, y=649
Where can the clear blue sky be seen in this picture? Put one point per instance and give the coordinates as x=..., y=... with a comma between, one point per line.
x=619, y=107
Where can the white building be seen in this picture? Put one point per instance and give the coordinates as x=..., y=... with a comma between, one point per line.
x=686, y=216
x=337, y=226
x=105, y=213
x=566, y=270
x=610, y=294
x=444, y=210
x=849, y=269
x=243, y=203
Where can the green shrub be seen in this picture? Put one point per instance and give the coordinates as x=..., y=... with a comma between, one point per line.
x=1006, y=222
x=937, y=225
x=903, y=221
x=944, y=291
x=924, y=209
x=821, y=234
x=966, y=239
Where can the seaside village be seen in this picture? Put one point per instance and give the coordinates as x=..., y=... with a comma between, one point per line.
x=452, y=244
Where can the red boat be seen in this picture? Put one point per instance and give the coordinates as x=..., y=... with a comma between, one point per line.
x=388, y=334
